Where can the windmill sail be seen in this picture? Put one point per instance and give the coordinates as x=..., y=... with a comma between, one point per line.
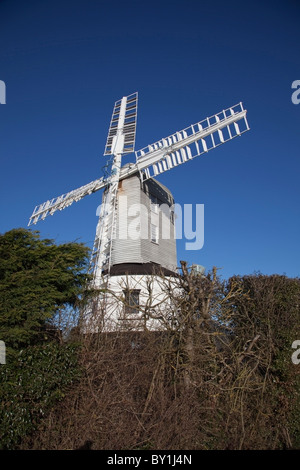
x=156, y=158
x=122, y=127
x=120, y=141
x=65, y=200
x=191, y=142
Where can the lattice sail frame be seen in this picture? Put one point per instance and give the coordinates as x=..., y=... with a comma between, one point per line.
x=192, y=141
x=128, y=127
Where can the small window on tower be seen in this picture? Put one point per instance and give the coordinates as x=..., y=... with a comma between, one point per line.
x=172, y=216
x=154, y=203
x=132, y=301
x=154, y=233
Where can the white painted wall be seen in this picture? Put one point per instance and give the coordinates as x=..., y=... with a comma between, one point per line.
x=154, y=299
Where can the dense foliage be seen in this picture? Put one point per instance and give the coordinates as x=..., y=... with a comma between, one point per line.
x=268, y=310
x=37, y=279
x=32, y=382
x=219, y=377
x=222, y=378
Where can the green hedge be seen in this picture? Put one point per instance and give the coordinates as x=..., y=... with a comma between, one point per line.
x=31, y=383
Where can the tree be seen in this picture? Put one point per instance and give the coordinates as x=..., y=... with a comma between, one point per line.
x=37, y=279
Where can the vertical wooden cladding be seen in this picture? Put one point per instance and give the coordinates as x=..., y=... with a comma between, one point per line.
x=133, y=232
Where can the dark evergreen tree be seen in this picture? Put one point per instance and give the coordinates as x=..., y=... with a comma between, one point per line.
x=37, y=278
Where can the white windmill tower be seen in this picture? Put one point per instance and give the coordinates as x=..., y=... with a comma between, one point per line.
x=129, y=252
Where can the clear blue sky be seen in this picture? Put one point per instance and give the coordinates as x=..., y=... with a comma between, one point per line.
x=65, y=63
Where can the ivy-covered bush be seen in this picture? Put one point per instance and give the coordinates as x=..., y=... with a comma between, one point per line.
x=32, y=382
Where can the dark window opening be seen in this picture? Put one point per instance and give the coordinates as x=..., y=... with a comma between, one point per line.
x=154, y=203
x=132, y=301
x=154, y=233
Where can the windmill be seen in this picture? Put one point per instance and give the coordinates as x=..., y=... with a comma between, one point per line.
x=114, y=254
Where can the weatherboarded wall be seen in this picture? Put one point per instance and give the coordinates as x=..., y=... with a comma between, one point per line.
x=144, y=225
